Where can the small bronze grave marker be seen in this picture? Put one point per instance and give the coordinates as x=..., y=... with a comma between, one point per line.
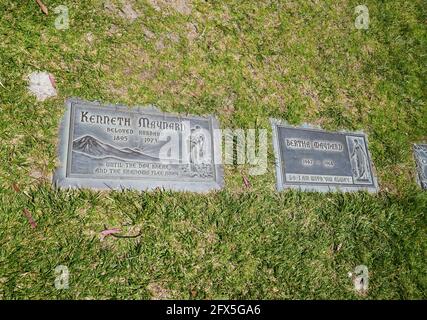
x=115, y=147
x=420, y=153
x=317, y=160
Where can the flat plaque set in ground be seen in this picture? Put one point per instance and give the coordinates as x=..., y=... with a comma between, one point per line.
x=420, y=154
x=114, y=147
x=316, y=160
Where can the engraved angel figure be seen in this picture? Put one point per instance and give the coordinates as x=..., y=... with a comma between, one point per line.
x=360, y=161
x=197, y=141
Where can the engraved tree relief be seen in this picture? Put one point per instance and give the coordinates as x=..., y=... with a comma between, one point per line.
x=359, y=160
x=421, y=164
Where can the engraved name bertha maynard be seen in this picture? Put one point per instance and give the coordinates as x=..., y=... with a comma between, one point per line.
x=117, y=147
x=317, y=160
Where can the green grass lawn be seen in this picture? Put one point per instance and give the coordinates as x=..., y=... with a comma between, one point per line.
x=242, y=61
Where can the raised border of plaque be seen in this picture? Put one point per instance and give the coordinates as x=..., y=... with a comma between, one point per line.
x=420, y=155
x=312, y=163
x=83, y=147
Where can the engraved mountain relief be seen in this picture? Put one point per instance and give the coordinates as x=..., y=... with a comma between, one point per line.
x=95, y=148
